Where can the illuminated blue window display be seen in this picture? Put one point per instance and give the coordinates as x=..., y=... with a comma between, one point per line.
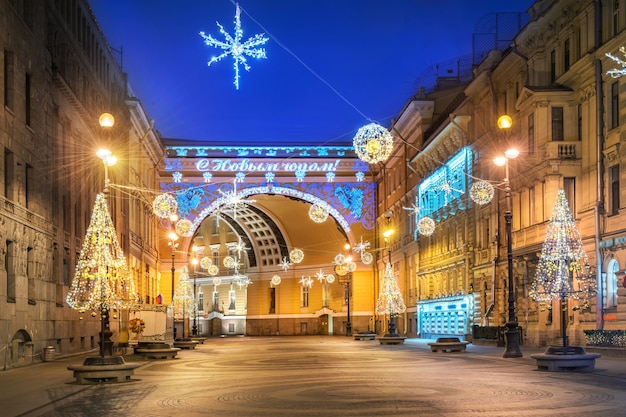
x=448, y=183
x=445, y=316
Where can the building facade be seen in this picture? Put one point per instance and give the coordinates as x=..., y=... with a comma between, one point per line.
x=566, y=114
x=58, y=75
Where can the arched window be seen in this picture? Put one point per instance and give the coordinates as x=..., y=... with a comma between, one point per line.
x=609, y=285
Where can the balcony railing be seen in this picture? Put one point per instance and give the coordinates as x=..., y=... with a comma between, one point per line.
x=563, y=150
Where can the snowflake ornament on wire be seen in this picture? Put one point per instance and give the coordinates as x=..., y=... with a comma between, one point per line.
x=232, y=45
x=285, y=264
x=617, y=72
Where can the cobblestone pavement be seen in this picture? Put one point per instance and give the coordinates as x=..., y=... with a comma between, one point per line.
x=321, y=376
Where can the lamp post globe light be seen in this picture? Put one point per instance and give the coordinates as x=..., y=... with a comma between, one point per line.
x=512, y=335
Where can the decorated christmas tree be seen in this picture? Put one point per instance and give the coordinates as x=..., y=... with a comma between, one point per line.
x=390, y=299
x=563, y=271
x=183, y=295
x=101, y=279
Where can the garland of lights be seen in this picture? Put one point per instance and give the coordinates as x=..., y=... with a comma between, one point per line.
x=481, y=192
x=184, y=228
x=373, y=143
x=164, y=205
x=318, y=213
x=296, y=256
x=426, y=226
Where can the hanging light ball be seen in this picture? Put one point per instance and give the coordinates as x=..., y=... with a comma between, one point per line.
x=217, y=281
x=426, y=226
x=330, y=278
x=317, y=213
x=339, y=259
x=296, y=256
x=367, y=258
x=229, y=261
x=341, y=270
x=206, y=262
x=373, y=143
x=184, y=228
x=481, y=192
x=276, y=280
x=164, y=205
x=213, y=270
x=351, y=266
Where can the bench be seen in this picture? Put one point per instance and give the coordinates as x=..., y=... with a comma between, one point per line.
x=157, y=350
x=185, y=344
x=91, y=374
x=391, y=340
x=448, y=344
x=566, y=358
x=365, y=336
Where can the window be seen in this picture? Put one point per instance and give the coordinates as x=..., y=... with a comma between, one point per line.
x=614, y=190
x=8, y=79
x=200, y=306
x=216, y=300
x=531, y=133
x=579, y=125
x=552, y=67
x=27, y=92
x=531, y=206
x=615, y=17
x=9, y=173
x=557, y=123
x=272, y=301
x=30, y=275
x=304, y=296
x=614, y=121
x=569, y=187
x=566, y=52
x=609, y=284
x=9, y=267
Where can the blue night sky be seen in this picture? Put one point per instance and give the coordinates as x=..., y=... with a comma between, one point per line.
x=332, y=65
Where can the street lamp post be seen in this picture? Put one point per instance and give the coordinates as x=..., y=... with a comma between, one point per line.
x=348, y=292
x=512, y=335
x=106, y=121
x=391, y=330
x=194, y=263
x=173, y=238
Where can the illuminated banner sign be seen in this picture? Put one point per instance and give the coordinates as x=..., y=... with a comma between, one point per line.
x=248, y=165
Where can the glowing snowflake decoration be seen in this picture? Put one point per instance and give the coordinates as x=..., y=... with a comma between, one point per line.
x=618, y=72
x=233, y=202
x=207, y=176
x=361, y=246
x=240, y=177
x=330, y=177
x=321, y=276
x=415, y=208
x=360, y=176
x=300, y=174
x=306, y=282
x=269, y=176
x=232, y=45
x=177, y=176
x=285, y=264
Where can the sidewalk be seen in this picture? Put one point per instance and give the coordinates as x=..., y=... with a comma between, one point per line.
x=321, y=376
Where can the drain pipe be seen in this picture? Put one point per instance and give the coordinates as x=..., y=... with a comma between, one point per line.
x=599, y=208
